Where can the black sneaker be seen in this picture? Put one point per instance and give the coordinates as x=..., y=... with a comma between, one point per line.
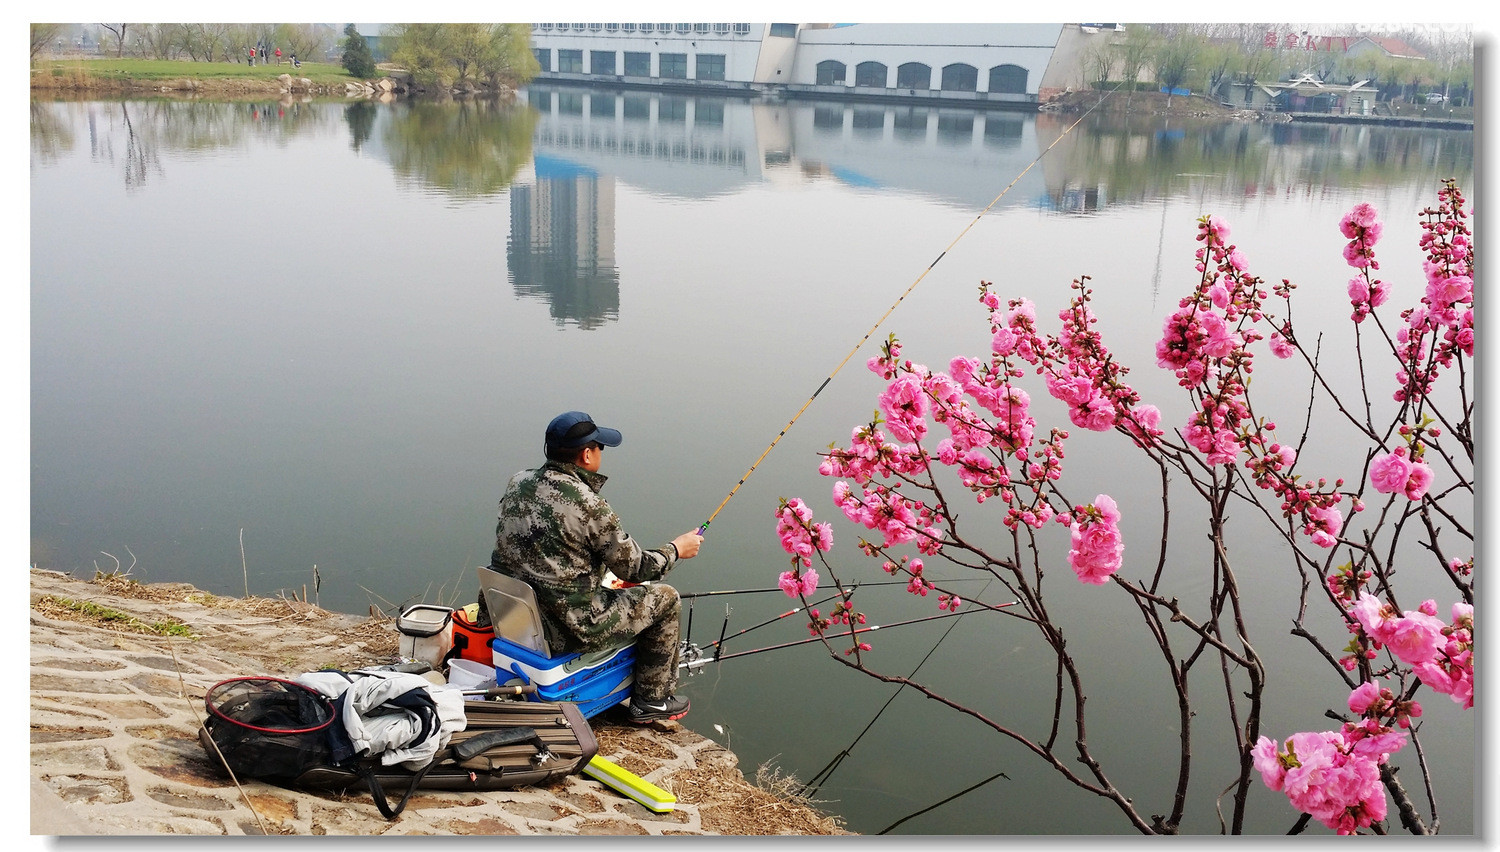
x=671, y=707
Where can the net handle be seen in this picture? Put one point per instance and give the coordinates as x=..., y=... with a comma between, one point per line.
x=214, y=711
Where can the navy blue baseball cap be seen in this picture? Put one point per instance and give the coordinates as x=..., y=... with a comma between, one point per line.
x=573, y=429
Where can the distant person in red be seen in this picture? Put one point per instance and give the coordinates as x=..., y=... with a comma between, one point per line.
x=278, y=56
x=252, y=57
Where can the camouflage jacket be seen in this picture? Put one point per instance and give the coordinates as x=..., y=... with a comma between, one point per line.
x=555, y=532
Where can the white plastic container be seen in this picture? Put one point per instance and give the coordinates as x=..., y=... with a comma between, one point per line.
x=467, y=674
x=426, y=633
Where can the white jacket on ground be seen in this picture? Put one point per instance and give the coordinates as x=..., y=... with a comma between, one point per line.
x=394, y=733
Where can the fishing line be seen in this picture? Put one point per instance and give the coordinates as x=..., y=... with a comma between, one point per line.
x=826, y=772
x=936, y=805
x=891, y=310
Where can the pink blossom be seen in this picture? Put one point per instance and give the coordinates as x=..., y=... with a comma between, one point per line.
x=1219, y=294
x=1323, y=525
x=1415, y=637
x=1280, y=347
x=1220, y=341
x=1268, y=763
x=799, y=535
x=1360, y=217
x=1372, y=614
x=789, y=583
x=1097, y=546
x=1359, y=290
x=1444, y=291
x=1004, y=341
x=1389, y=473
x=1363, y=696
x=1332, y=775
x=1418, y=481
x=809, y=582
x=905, y=407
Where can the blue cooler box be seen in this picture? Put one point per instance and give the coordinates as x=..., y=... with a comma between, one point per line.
x=595, y=680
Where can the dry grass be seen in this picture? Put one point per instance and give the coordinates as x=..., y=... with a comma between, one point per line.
x=377, y=633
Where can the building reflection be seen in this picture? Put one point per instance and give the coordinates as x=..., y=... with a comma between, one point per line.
x=690, y=146
x=562, y=243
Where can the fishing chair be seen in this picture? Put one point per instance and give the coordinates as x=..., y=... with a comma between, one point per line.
x=593, y=680
x=513, y=610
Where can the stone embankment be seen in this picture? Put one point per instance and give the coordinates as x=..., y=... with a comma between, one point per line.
x=118, y=674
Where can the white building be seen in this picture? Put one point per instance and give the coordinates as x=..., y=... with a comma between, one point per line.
x=975, y=64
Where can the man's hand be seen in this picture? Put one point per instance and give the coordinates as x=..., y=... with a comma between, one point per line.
x=687, y=544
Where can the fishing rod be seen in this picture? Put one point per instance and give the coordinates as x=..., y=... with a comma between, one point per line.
x=718, y=644
x=892, y=309
x=692, y=661
x=779, y=589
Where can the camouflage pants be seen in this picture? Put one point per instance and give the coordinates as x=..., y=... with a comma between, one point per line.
x=648, y=614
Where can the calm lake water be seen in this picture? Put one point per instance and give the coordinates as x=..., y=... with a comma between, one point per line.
x=332, y=331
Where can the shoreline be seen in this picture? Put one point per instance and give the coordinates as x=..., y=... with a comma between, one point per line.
x=117, y=677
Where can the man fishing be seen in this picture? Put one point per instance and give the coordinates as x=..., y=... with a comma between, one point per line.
x=557, y=534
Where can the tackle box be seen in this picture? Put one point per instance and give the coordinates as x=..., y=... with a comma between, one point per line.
x=594, y=680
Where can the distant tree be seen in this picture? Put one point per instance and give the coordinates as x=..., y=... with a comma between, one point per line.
x=43, y=35
x=118, y=31
x=1220, y=63
x=162, y=41
x=1256, y=64
x=302, y=40
x=444, y=54
x=204, y=42
x=511, y=61
x=1095, y=61
x=422, y=50
x=357, y=59
x=1175, y=57
x=1135, y=51
x=467, y=46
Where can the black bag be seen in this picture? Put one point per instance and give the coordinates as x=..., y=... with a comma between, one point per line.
x=285, y=733
x=505, y=744
x=266, y=727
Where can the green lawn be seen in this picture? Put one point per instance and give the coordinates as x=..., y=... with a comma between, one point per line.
x=165, y=69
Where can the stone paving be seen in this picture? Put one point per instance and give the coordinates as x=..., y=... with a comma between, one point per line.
x=114, y=748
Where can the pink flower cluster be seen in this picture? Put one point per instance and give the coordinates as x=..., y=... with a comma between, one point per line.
x=1207, y=343
x=1442, y=655
x=1332, y=775
x=1394, y=473
x=1363, y=228
x=795, y=585
x=799, y=535
x=898, y=519
x=1441, y=327
x=1097, y=548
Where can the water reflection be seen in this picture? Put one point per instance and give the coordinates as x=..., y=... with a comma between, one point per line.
x=562, y=243
x=466, y=149
x=360, y=116
x=1136, y=160
x=703, y=146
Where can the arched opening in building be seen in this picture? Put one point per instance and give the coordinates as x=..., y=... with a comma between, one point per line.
x=832, y=72
x=914, y=75
x=1008, y=79
x=872, y=74
x=960, y=77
